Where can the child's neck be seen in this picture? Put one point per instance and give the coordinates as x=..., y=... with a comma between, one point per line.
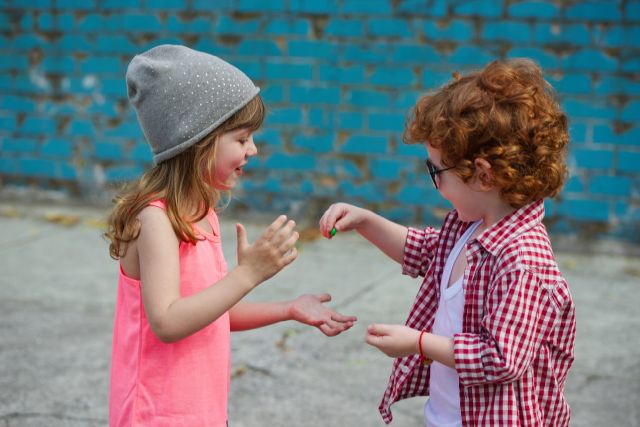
x=495, y=210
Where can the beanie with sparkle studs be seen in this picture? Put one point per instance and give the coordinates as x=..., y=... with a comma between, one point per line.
x=181, y=95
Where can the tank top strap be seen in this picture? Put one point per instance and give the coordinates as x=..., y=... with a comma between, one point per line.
x=159, y=203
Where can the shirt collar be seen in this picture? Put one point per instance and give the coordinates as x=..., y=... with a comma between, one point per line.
x=495, y=238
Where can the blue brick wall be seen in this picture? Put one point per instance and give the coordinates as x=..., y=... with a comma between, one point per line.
x=339, y=78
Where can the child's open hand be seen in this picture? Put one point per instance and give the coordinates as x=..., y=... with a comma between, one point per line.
x=270, y=253
x=342, y=216
x=310, y=310
x=393, y=340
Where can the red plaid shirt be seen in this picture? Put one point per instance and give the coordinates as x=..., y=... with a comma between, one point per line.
x=518, y=327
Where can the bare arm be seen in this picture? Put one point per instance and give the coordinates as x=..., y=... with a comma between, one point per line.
x=173, y=317
x=306, y=309
x=388, y=236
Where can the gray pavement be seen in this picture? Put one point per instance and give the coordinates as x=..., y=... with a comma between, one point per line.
x=57, y=289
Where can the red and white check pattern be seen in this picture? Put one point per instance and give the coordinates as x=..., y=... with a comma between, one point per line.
x=519, y=324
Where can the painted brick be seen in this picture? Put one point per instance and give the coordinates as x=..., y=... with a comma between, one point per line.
x=605, y=135
x=631, y=65
x=141, y=153
x=434, y=79
x=457, y=30
x=315, y=95
x=350, y=120
x=27, y=42
x=472, y=55
x=57, y=148
x=7, y=124
x=482, y=8
x=628, y=161
x=596, y=11
x=413, y=194
x=575, y=108
x=11, y=62
x=299, y=162
x=414, y=53
x=313, y=49
x=368, y=192
x=590, y=59
x=108, y=151
x=79, y=127
x=260, y=6
x=344, y=28
x=571, y=83
x=120, y=4
x=312, y=6
x=374, y=53
x=585, y=209
x=114, y=43
x=386, y=169
x=613, y=85
x=577, y=132
x=386, y=122
x=389, y=28
x=363, y=144
x=285, y=116
x=66, y=172
x=295, y=27
x=572, y=34
x=128, y=129
x=271, y=138
x=632, y=11
x=545, y=59
x=413, y=150
x=58, y=65
x=610, y=185
x=42, y=168
x=253, y=69
x=228, y=25
x=53, y=22
x=21, y=145
x=103, y=64
x=622, y=36
x=216, y=6
x=366, y=98
x=573, y=185
x=631, y=112
x=278, y=71
x=593, y=159
x=122, y=173
x=512, y=32
x=405, y=101
x=367, y=7
x=321, y=118
x=116, y=88
x=138, y=23
x=16, y=103
x=197, y=25
x=38, y=125
x=9, y=166
x=392, y=76
x=273, y=93
x=170, y=5
x=534, y=9
x=342, y=75
x=76, y=4
x=314, y=143
x=436, y=8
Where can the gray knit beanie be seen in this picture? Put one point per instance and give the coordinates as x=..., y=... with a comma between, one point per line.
x=181, y=95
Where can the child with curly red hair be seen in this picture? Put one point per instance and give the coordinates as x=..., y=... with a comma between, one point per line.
x=490, y=337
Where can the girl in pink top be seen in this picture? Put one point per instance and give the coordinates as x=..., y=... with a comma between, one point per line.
x=176, y=302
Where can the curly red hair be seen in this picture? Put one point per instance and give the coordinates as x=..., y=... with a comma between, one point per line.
x=506, y=114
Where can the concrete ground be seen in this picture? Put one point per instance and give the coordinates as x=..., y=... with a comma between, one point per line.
x=57, y=289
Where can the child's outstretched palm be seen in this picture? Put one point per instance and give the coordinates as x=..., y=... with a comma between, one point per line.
x=310, y=310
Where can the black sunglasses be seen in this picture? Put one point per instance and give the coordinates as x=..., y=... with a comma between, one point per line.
x=433, y=171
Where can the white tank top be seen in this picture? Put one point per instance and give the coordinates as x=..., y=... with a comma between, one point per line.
x=443, y=406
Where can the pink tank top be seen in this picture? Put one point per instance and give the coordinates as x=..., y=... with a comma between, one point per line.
x=185, y=383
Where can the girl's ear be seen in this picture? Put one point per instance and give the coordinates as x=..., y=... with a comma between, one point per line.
x=483, y=173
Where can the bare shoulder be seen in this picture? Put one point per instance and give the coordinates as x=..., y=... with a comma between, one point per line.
x=155, y=225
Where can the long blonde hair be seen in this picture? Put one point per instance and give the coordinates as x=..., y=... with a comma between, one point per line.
x=181, y=181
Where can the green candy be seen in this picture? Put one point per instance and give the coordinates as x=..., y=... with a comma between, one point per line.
x=333, y=232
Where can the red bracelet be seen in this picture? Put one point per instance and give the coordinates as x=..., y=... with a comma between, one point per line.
x=425, y=360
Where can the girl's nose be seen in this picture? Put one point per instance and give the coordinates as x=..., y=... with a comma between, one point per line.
x=252, y=150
